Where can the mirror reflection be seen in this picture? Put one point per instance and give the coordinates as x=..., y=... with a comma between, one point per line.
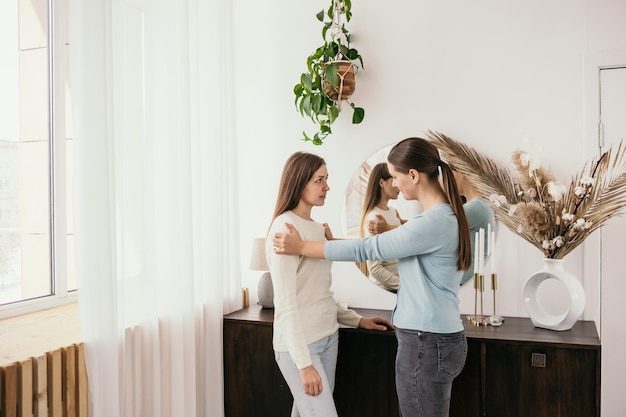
x=374, y=205
x=371, y=196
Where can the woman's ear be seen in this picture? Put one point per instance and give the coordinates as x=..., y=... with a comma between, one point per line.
x=414, y=174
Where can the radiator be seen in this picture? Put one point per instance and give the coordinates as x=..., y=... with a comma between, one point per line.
x=51, y=385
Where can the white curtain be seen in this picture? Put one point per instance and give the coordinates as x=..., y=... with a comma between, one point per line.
x=156, y=215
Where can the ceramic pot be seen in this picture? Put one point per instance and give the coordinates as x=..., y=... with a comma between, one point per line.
x=347, y=83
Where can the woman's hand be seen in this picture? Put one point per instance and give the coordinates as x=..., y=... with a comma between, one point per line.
x=380, y=225
x=377, y=225
x=375, y=323
x=327, y=232
x=311, y=381
x=288, y=243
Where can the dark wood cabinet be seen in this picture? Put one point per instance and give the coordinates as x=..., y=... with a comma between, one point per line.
x=514, y=370
x=526, y=371
x=365, y=378
x=253, y=384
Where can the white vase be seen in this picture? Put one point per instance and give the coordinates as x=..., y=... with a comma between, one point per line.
x=553, y=269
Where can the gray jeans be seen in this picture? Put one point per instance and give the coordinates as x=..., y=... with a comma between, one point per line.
x=426, y=365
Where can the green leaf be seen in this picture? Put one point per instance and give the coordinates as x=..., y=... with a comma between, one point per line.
x=306, y=81
x=317, y=84
x=348, y=9
x=331, y=75
x=344, y=51
x=352, y=54
x=316, y=103
x=320, y=16
x=358, y=115
x=335, y=49
x=298, y=89
x=333, y=113
x=306, y=105
x=316, y=140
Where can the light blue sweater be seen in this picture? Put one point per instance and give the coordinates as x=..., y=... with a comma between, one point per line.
x=425, y=247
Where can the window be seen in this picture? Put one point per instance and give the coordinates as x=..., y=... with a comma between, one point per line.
x=36, y=236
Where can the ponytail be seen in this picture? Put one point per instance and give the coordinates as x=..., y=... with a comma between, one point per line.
x=464, y=250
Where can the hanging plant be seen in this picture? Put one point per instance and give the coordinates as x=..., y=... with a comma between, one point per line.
x=330, y=79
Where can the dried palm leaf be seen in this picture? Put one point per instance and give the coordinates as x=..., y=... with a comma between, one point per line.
x=483, y=172
x=602, y=200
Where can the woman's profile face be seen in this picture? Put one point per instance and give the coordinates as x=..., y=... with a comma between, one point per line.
x=314, y=193
x=388, y=189
x=402, y=181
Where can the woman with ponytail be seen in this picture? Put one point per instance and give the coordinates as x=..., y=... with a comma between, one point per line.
x=433, y=249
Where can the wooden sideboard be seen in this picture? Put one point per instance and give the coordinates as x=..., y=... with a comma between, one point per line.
x=514, y=370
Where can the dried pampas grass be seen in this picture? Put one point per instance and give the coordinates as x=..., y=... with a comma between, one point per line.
x=554, y=218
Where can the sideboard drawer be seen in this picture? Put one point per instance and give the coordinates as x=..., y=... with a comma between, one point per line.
x=540, y=380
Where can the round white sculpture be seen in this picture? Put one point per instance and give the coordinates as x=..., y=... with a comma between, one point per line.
x=553, y=269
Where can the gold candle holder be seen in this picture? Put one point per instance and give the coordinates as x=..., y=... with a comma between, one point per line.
x=494, y=287
x=479, y=286
x=495, y=320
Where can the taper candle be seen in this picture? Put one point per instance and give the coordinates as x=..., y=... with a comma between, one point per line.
x=489, y=242
x=481, y=252
x=493, y=252
x=476, y=253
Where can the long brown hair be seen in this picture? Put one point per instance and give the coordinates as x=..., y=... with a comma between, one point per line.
x=373, y=192
x=298, y=170
x=423, y=156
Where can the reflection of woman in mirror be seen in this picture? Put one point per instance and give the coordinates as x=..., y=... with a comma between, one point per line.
x=478, y=212
x=380, y=190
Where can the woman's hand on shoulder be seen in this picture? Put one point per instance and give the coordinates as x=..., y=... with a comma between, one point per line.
x=327, y=232
x=375, y=323
x=377, y=225
x=288, y=243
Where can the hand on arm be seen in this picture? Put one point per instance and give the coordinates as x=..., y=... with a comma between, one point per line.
x=292, y=244
x=311, y=380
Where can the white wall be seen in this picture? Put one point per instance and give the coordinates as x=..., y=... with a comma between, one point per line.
x=486, y=73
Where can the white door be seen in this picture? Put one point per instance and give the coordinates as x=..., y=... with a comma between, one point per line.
x=613, y=252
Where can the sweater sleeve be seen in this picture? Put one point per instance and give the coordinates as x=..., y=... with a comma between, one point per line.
x=347, y=317
x=382, y=275
x=284, y=277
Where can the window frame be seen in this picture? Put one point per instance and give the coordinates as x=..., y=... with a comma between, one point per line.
x=57, y=174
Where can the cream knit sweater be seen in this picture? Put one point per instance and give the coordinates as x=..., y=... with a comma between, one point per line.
x=305, y=310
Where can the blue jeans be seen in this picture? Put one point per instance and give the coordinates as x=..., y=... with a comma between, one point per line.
x=426, y=365
x=324, y=357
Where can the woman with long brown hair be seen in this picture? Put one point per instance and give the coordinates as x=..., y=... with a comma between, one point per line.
x=306, y=315
x=379, y=191
x=433, y=249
